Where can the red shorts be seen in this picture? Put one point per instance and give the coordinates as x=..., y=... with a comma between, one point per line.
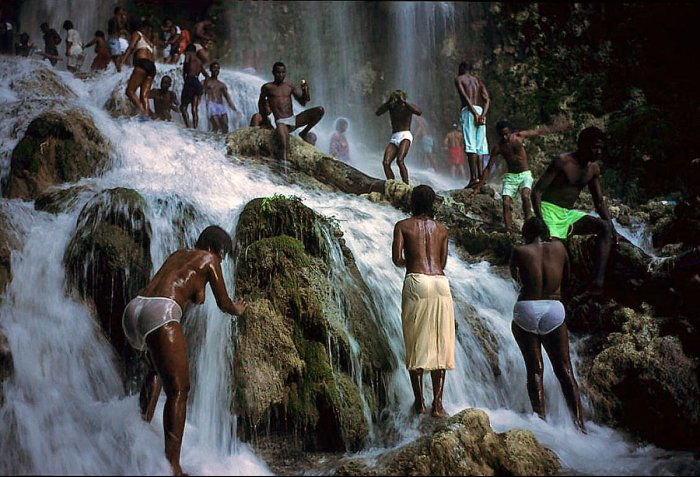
x=455, y=155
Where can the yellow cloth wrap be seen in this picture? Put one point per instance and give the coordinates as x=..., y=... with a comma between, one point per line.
x=428, y=321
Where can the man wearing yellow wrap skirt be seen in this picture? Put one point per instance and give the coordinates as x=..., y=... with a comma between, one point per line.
x=427, y=311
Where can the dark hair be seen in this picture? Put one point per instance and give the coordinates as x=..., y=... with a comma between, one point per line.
x=504, y=123
x=589, y=135
x=279, y=63
x=340, y=122
x=145, y=24
x=422, y=200
x=67, y=25
x=465, y=67
x=214, y=63
x=100, y=33
x=44, y=25
x=117, y=10
x=190, y=47
x=216, y=239
x=535, y=227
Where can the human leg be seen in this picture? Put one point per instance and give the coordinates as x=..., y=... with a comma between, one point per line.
x=282, y=133
x=529, y=344
x=195, y=111
x=588, y=225
x=169, y=353
x=309, y=118
x=136, y=79
x=438, y=378
x=145, y=93
x=389, y=155
x=417, y=385
x=556, y=344
x=508, y=211
x=527, y=207
x=473, y=171
x=401, y=157
x=150, y=390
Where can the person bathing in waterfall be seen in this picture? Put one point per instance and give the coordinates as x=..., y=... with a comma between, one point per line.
x=192, y=89
x=144, y=67
x=427, y=311
x=519, y=177
x=538, y=316
x=278, y=95
x=472, y=95
x=164, y=100
x=401, y=113
x=151, y=322
x=216, y=91
x=557, y=191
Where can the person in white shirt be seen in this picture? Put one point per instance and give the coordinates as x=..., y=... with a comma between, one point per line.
x=74, y=48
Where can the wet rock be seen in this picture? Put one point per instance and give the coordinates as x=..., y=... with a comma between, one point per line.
x=464, y=444
x=644, y=382
x=108, y=261
x=303, y=157
x=56, y=200
x=12, y=231
x=681, y=227
x=57, y=147
x=6, y=364
x=294, y=351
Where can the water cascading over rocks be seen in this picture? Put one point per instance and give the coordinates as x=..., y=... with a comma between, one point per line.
x=108, y=261
x=310, y=356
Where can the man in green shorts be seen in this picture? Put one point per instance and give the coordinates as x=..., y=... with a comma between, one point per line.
x=558, y=190
x=519, y=177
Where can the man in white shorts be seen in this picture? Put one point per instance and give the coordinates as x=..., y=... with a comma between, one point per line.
x=401, y=113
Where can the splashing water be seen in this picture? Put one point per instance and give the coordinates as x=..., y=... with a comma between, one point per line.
x=65, y=411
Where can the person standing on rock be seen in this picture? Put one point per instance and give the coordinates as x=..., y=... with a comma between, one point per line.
x=558, y=190
x=519, y=177
x=192, y=90
x=427, y=311
x=538, y=316
x=454, y=143
x=151, y=322
x=144, y=67
x=472, y=95
x=118, y=32
x=74, y=48
x=216, y=91
x=401, y=113
x=278, y=95
x=51, y=41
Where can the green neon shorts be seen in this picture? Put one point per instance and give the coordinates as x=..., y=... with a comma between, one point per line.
x=559, y=220
x=514, y=183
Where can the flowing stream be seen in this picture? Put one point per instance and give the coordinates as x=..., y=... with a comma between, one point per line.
x=65, y=411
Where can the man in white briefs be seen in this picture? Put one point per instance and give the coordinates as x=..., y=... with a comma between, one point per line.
x=401, y=113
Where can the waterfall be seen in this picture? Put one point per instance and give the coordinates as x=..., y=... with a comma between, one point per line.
x=65, y=411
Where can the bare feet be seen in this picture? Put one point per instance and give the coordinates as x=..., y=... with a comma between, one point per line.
x=581, y=427
x=419, y=408
x=595, y=289
x=439, y=411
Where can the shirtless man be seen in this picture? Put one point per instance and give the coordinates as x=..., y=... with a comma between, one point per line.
x=216, y=91
x=472, y=94
x=558, y=190
x=164, y=100
x=427, y=311
x=519, y=177
x=425, y=139
x=538, y=316
x=278, y=95
x=454, y=143
x=151, y=322
x=401, y=113
x=192, y=89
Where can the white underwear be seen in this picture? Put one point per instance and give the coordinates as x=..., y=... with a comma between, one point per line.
x=540, y=317
x=143, y=315
x=290, y=121
x=397, y=137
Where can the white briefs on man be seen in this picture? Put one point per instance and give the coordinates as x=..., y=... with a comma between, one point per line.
x=399, y=136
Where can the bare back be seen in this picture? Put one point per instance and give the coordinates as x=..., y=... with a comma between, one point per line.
x=184, y=275
x=422, y=243
x=193, y=65
x=469, y=86
x=454, y=139
x=540, y=268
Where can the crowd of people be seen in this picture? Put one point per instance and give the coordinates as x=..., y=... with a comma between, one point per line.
x=420, y=243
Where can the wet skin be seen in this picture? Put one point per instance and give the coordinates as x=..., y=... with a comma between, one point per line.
x=561, y=185
x=472, y=92
x=182, y=278
x=277, y=95
x=454, y=139
x=192, y=66
x=401, y=113
x=540, y=267
x=217, y=91
x=420, y=245
x=164, y=100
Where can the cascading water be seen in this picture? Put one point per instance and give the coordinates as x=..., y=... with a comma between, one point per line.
x=65, y=411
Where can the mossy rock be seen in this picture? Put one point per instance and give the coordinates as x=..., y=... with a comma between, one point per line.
x=12, y=232
x=108, y=261
x=7, y=367
x=56, y=200
x=302, y=315
x=645, y=383
x=57, y=147
x=464, y=444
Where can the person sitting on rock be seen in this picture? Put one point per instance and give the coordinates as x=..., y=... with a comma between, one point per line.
x=538, y=316
x=340, y=148
x=519, y=177
x=151, y=322
x=401, y=113
x=278, y=94
x=427, y=310
x=558, y=190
